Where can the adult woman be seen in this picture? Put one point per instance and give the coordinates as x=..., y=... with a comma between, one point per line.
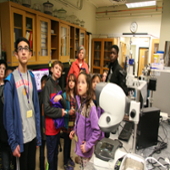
x=79, y=64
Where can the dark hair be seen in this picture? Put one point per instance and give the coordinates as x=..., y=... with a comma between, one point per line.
x=3, y=62
x=44, y=78
x=93, y=77
x=89, y=89
x=59, y=63
x=19, y=40
x=116, y=48
x=70, y=77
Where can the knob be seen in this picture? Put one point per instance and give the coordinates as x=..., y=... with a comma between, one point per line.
x=133, y=113
x=107, y=119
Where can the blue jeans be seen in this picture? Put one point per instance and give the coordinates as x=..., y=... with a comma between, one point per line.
x=52, y=151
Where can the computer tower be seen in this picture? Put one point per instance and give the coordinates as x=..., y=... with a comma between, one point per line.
x=147, y=131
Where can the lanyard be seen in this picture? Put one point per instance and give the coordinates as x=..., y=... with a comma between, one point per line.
x=27, y=93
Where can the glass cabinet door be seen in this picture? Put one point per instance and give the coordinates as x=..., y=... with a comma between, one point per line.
x=97, y=53
x=64, y=40
x=44, y=40
x=107, y=48
x=30, y=34
x=18, y=17
x=82, y=37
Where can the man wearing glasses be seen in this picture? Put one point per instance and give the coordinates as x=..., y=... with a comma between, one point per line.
x=21, y=108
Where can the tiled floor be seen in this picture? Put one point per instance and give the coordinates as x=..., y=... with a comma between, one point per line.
x=60, y=157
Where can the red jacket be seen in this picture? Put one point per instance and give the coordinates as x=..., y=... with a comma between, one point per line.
x=75, y=69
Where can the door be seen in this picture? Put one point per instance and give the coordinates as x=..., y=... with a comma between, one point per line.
x=142, y=60
x=44, y=40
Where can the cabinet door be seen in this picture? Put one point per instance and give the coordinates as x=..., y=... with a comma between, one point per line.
x=17, y=28
x=82, y=38
x=64, y=43
x=106, y=53
x=30, y=35
x=44, y=40
x=97, y=56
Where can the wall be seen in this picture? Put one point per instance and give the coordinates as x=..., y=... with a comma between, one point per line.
x=165, y=25
x=116, y=27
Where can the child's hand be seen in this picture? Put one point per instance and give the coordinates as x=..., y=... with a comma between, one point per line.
x=71, y=112
x=71, y=135
x=63, y=112
x=82, y=147
x=57, y=98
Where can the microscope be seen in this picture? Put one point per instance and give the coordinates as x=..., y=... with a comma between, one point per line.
x=112, y=100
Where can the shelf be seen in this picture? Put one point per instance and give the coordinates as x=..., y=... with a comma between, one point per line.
x=97, y=50
x=53, y=48
x=96, y=58
x=53, y=34
x=96, y=67
x=17, y=27
x=28, y=29
x=106, y=60
x=105, y=68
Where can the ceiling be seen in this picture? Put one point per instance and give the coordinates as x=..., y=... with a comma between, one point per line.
x=107, y=3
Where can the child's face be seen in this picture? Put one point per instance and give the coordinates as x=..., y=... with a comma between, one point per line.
x=104, y=77
x=43, y=84
x=95, y=81
x=82, y=85
x=71, y=84
x=56, y=71
x=2, y=71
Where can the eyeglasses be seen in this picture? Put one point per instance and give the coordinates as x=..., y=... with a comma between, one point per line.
x=20, y=49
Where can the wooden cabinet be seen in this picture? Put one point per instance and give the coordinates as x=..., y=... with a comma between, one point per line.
x=44, y=40
x=50, y=37
x=100, y=54
x=64, y=42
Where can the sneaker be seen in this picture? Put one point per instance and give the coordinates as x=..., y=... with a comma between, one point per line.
x=71, y=162
x=67, y=167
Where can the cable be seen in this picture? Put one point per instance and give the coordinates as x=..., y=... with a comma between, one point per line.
x=155, y=161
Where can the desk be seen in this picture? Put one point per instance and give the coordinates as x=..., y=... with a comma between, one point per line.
x=164, y=130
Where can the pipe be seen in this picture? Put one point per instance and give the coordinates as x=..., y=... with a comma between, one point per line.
x=125, y=10
x=65, y=2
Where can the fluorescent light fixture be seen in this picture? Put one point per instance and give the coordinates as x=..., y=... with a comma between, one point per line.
x=140, y=4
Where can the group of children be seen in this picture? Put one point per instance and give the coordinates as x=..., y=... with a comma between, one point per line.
x=79, y=110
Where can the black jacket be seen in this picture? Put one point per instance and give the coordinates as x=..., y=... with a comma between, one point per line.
x=118, y=76
x=3, y=132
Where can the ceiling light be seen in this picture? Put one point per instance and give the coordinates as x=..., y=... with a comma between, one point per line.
x=140, y=4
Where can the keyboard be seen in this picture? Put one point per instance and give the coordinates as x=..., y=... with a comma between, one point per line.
x=126, y=131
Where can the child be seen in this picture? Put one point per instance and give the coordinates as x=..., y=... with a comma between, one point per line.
x=4, y=147
x=52, y=134
x=104, y=76
x=69, y=96
x=43, y=138
x=86, y=130
x=95, y=80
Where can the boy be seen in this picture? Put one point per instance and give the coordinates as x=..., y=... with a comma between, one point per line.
x=52, y=134
x=21, y=109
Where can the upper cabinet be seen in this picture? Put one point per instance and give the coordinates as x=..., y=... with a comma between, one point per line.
x=50, y=38
x=43, y=40
x=100, y=54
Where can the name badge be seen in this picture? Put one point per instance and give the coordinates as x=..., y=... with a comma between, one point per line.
x=29, y=113
x=71, y=124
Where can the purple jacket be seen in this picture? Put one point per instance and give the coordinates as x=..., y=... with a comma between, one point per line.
x=86, y=128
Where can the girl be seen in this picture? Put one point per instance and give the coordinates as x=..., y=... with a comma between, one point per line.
x=79, y=64
x=69, y=96
x=95, y=80
x=104, y=76
x=86, y=130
